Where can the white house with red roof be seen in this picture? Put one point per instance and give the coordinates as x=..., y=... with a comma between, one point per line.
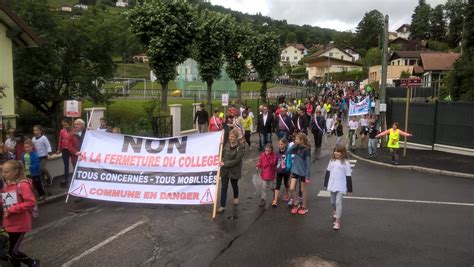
x=292, y=54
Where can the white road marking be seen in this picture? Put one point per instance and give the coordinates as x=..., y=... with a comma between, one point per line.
x=353, y=162
x=323, y=193
x=103, y=243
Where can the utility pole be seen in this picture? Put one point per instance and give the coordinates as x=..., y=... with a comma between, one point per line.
x=383, y=87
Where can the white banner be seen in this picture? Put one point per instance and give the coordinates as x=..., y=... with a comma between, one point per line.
x=360, y=108
x=176, y=170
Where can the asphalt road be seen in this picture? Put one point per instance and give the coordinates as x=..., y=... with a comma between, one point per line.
x=383, y=225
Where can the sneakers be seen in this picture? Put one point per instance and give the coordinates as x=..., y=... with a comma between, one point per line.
x=236, y=201
x=220, y=210
x=295, y=209
x=303, y=211
x=290, y=202
x=337, y=225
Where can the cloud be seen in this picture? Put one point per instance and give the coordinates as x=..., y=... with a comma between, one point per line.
x=335, y=14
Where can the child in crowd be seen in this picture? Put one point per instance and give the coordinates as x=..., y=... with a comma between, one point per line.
x=339, y=131
x=338, y=182
x=103, y=125
x=267, y=165
x=10, y=144
x=329, y=124
x=32, y=167
x=394, y=140
x=44, y=151
x=353, y=125
x=17, y=211
x=372, y=145
x=300, y=170
x=283, y=170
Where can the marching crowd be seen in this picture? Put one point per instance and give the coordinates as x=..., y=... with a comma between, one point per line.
x=289, y=163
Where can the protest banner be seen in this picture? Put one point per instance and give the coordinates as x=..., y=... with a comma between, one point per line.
x=361, y=108
x=176, y=170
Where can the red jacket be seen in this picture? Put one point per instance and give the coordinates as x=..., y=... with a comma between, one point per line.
x=212, y=124
x=68, y=140
x=267, y=163
x=17, y=218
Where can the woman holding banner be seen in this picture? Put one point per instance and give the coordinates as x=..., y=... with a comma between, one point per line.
x=231, y=167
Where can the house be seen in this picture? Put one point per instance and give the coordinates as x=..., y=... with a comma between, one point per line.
x=356, y=55
x=140, y=58
x=402, y=44
x=393, y=73
x=392, y=36
x=404, y=58
x=121, y=3
x=13, y=33
x=293, y=53
x=435, y=66
x=66, y=8
x=329, y=60
x=81, y=6
x=404, y=31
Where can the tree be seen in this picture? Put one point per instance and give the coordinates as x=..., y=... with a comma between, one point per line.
x=372, y=57
x=438, y=24
x=461, y=78
x=237, y=50
x=291, y=38
x=455, y=14
x=265, y=56
x=209, y=47
x=405, y=74
x=369, y=30
x=166, y=29
x=420, y=21
x=73, y=54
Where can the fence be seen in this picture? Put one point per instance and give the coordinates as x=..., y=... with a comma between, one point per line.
x=400, y=92
x=162, y=126
x=439, y=122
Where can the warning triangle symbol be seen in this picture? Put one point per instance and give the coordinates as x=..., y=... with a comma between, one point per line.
x=207, y=197
x=79, y=191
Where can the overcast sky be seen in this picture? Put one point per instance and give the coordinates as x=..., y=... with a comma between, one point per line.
x=341, y=15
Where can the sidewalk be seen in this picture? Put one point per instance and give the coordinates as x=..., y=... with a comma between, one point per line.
x=438, y=161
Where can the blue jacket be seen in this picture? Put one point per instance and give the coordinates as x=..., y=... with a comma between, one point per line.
x=302, y=160
x=34, y=163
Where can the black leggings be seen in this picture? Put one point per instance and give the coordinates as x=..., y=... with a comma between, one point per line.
x=17, y=257
x=247, y=137
x=66, y=155
x=282, y=176
x=225, y=185
x=38, y=184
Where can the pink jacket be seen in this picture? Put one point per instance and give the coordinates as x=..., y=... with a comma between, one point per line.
x=267, y=163
x=17, y=218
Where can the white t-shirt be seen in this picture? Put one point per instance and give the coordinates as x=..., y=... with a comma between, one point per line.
x=329, y=124
x=353, y=125
x=337, y=176
x=42, y=145
x=364, y=122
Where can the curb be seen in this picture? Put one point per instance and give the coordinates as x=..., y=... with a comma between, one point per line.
x=415, y=168
x=52, y=199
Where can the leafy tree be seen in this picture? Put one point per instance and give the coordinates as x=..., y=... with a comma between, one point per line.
x=369, y=30
x=237, y=50
x=438, y=46
x=344, y=39
x=420, y=21
x=265, y=56
x=209, y=47
x=438, y=24
x=405, y=74
x=291, y=38
x=461, y=78
x=455, y=14
x=73, y=54
x=372, y=57
x=166, y=29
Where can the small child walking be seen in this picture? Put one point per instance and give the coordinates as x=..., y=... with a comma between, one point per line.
x=267, y=166
x=300, y=171
x=32, y=167
x=283, y=170
x=338, y=182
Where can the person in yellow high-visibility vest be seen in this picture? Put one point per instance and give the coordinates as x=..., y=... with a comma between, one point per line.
x=394, y=140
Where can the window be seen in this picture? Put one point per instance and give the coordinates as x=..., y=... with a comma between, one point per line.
x=406, y=62
x=287, y=58
x=342, y=57
x=296, y=51
x=412, y=62
x=296, y=58
x=398, y=62
x=282, y=58
x=331, y=54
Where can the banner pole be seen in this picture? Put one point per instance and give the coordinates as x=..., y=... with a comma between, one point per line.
x=72, y=180
x=214, y=208
x=90, y=118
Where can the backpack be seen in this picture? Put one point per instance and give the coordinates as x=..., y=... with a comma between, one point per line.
x=4, y=244
x=34, y=211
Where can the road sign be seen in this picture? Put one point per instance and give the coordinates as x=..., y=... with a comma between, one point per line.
x=72, y=108
x=411, y=82
x=225, y=100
